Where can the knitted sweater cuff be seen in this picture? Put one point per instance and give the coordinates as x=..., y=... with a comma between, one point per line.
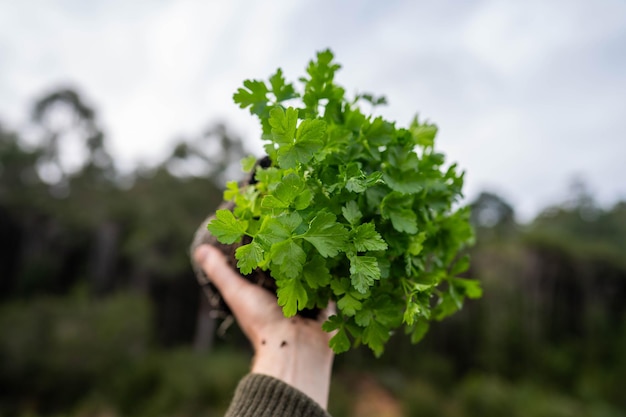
x=264, y=396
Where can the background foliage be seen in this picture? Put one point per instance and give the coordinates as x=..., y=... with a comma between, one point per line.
x=100, y=313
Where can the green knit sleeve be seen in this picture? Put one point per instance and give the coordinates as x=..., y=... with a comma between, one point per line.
x=260, y=395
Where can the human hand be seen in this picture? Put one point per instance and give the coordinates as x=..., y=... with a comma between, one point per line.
x=294, y=350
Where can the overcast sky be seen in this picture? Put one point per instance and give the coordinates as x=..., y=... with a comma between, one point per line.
x=527, y=95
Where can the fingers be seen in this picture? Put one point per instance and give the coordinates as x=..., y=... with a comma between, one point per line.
x=215, y=265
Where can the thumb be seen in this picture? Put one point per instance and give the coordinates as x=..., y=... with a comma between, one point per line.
x=216, y=267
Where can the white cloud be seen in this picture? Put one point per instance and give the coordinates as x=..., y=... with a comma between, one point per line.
x=526, y=94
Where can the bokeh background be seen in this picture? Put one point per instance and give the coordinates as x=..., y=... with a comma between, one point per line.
x=118, y=132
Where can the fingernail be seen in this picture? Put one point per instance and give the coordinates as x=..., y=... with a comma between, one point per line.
x=201, y=254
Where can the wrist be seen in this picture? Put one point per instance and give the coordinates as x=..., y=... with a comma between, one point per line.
x=297, y=356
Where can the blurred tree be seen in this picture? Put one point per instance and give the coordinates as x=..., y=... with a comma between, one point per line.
x=492, y=215
x=215, y=154
x=552, y=316
x=72, y=141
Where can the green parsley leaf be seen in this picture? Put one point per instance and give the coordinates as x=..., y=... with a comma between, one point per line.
x=311, y=131
x=254, y=95
x=375, y=336
x=416, y=244
x=226, y=228
x=272, y=202
x=421, y=327
x=232, y=190
x=352, y=209
x=281, y=90
x=469, y=287
x=289, y=188
x=328, y=236
x=423, y=134
x=308, y=141
x=316, y=273
x=349, y=305
x=340, y=286
x=404, y=182
x=365, y=237
x=396, y=207
x=289, y=256
x=379, y=133
x=292, y=296
x=248, y=163
x=283, y=124
x=249, y=257
x=351, y=212
x=340, y=343
x=363, y=272
x=277, y=229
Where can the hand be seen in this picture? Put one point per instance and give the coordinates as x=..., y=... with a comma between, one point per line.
x=294, y=350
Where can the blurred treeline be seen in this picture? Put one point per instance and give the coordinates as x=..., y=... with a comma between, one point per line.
x=100, y=314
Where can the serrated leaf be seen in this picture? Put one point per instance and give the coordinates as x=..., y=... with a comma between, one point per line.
x=340, y=286
x=349, y=305
x=271, y=202
x=283, y=124
x=232, y=190
x=289, y=256
x=363, y=272
x=379, y=133
x=303, y=199
x=404, y=220
x=316, y=273
x=289, y=156
x=267, y=177
x=248, y=256
x=339, y=343
x=365, y=237
x=292, y=296
x=404, y=182
x=387, y=311
x=328, y=236
x=289, y=221
x=416, y=244
x=423, y=134
x=277, y=229
x=373, y=179
x=226, y=228
x=289, y=188
x=311, y=131
x=300, y=152
x=248, y=163
x=403, y=159
x=420, y=330
x=363, y=317
x=334, y=322
x=396, y=207
x=282, y=91
x=410, y=313
x=356, y=185
x=253, y=95
x=469, y=287
x=351, y=212
x=375, y=336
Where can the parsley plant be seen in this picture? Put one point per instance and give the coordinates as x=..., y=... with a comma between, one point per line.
x=352, y=209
